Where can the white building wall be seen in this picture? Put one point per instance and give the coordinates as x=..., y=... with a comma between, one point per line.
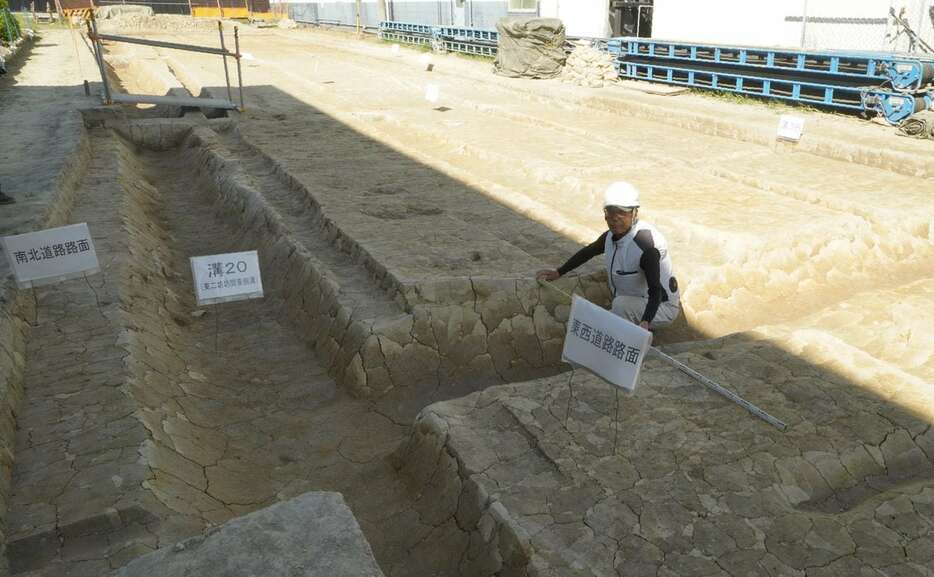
x=581, y=17
x=830, y=24
x=753, y=22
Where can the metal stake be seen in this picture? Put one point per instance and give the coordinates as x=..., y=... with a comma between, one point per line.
x=567, y=410
x=220, y=29
x=804, y=23
x=237, y=56
x=713, y=386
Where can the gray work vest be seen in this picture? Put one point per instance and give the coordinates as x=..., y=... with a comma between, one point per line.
x=624, y=274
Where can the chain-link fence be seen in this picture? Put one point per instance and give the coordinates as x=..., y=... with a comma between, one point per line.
x=875, y=25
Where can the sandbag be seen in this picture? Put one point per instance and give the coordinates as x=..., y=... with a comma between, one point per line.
x=529, y=47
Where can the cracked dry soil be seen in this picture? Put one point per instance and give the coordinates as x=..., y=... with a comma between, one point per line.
x=144, y=420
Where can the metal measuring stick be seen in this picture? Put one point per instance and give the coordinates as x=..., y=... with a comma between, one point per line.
x=710, y=384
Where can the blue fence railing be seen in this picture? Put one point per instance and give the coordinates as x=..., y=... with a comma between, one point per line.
x=448, y=38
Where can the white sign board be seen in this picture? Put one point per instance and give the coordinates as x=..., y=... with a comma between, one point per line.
x=790, y=127
x=51, y=255
x=227, y=277
x=607, y=345
x=432, y=93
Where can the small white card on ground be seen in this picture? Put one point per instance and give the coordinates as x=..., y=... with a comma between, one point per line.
x=226, y=277
x=427, y=62
x=790, y=127
x=608, y=346
x=394, y=49
x=51, y=255
x=432, y=93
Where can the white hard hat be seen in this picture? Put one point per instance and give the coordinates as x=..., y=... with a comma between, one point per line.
x=621, y=194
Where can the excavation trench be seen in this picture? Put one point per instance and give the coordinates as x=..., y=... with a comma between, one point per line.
x=146, y=418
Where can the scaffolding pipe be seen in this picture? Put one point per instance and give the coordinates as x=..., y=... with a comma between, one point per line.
x=239, y=75
x=99, y=50
x=804, y=23
x=220, y=30
x=162, y=44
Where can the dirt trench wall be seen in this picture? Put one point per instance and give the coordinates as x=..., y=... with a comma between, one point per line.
x=448, y=329
x=498, y=545
x=154, y=317
x=17, y=310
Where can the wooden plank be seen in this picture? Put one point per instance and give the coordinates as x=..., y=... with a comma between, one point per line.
x=653, y=87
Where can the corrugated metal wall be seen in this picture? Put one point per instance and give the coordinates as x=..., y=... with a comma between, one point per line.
x=477, y=13
x=158, y=6
x=485, y=14
x=343, y=12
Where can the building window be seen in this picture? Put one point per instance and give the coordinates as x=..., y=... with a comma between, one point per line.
x=523, y=5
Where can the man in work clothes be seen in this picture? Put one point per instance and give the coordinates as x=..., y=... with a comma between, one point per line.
x=644, y=288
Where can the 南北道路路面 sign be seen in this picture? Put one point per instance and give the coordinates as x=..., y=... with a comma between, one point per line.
x=51, y=255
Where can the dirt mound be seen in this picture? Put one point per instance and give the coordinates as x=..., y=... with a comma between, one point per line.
x=124, y=10
x=160, y=22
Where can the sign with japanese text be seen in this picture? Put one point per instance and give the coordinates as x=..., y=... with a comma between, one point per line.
x=607, y=345
x=51, y=255
x=790, y=127
x=227, y=277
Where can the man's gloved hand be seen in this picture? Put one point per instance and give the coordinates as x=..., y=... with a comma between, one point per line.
x=547, y=275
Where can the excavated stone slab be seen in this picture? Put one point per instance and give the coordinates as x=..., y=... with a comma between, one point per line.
x=312, y=535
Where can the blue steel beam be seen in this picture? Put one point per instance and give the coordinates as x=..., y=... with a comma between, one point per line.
x=411, y=27
x=469, y=34
x=893, y=106
x=405, y=38
x=469, y=48
x=901, y=72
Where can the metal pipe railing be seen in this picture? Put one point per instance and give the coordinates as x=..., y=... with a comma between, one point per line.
x=97, y=38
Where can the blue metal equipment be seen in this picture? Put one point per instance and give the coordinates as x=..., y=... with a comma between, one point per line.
x=901, y=72
x=892, y=85
x=469, y=40
x=448, y=38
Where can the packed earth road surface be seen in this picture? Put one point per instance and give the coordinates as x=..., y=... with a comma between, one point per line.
x=403, y=353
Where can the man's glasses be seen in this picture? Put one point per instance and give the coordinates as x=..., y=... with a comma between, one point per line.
x=616, y=212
